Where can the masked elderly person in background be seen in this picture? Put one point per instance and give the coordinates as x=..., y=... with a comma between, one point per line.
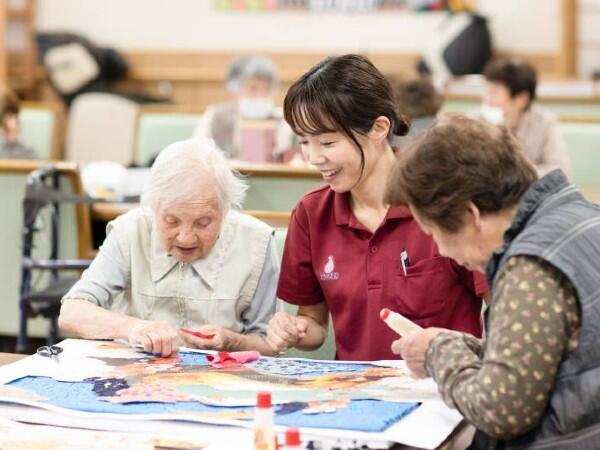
x=252, y=82
x=185, y=259
x=534, y=382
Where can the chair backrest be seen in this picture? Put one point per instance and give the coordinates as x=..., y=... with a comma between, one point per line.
x=156, y=130
x=74, y=222
x=276, y=187
x=101, y=128
x=42, y=126
x=583, y=142
x=327, y=350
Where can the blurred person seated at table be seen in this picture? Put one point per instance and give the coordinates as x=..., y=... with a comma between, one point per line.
x=418, y=100
x=250, y=119
x=11, y=145
x=186, y=258
x=509, y=98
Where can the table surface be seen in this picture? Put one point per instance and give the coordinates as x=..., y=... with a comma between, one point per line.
x=459, y=439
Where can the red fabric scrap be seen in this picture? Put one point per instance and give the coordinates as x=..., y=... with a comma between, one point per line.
x=222, y=360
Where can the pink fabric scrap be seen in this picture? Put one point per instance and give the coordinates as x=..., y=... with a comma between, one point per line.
x=222, y=360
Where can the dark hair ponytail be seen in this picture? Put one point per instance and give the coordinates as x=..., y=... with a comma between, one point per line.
x=402, y=125
x=342, y=94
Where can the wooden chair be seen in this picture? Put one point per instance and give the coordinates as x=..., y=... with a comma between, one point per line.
x=42, y=127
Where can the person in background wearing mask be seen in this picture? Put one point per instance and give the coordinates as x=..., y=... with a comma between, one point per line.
x=509, y=98
x=10, y=144
x=252, y=80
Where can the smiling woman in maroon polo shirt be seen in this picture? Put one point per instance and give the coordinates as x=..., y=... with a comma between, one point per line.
x=346, y=252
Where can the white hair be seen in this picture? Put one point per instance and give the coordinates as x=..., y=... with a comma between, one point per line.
x=248, y=67
x=180, y=169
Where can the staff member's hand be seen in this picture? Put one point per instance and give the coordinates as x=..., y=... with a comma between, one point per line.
x=413, y=348
x=209, y=337
x=157, y=337
x=285, y=331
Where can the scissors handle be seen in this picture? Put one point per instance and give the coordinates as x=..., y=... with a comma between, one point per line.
x=50, y=351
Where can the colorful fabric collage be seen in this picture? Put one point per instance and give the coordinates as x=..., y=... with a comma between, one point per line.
x=306, y=393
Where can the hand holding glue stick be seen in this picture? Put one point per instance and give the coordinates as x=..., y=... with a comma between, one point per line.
x=399, y=323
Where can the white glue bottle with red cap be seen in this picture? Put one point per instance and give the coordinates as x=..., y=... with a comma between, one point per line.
x=292, y=439
x=264, y=434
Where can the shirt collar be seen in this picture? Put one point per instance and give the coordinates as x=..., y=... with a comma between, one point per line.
x=344, y=217
x=208, y=267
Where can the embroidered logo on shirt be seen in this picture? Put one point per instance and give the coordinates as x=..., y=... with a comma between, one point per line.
x=329, y=270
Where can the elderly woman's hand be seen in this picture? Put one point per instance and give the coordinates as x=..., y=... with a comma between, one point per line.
x=209, y=337
x=413, y=348
x=285, y=331
x=156, y=337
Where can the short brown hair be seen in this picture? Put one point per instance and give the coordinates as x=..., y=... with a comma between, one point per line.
x=456, y=161
x=516, y=76
x=417, y=98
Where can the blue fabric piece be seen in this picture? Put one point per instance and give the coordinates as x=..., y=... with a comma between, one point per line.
x=292, y=367
x=360, y=415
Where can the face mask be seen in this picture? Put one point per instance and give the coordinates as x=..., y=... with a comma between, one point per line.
x=256, y=108
x=492, y=114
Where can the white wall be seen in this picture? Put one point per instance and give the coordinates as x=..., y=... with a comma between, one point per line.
x=524, y=26
x=528, y=26
x=589, y=37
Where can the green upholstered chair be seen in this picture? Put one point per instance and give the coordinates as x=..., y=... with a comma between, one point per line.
x=276, y=187
x=157, y=130
x=583, y=142
x=565, y=107
x=38, y=126
x=277, y=193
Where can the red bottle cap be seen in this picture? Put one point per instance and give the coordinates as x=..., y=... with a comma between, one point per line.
x=384, y=313
x=292, y=437
x=263, y=400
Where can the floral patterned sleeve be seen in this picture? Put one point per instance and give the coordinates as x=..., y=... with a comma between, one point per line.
x=502, y=385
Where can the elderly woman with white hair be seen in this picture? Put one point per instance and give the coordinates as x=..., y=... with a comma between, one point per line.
x=185, y=259
x=252, y=82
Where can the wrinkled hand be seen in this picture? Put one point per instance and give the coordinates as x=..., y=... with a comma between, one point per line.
x=157, y=337
x=221, y=341
x=285, y=331
x=413, y=348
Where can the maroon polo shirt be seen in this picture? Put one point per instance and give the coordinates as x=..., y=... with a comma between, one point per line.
x=331, y=257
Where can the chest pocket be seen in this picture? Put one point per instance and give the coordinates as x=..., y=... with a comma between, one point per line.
x=422, y=292
x=183, y=299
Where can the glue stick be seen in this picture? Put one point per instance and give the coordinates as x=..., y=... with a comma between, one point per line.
x=399, y=323
x=264, y=434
